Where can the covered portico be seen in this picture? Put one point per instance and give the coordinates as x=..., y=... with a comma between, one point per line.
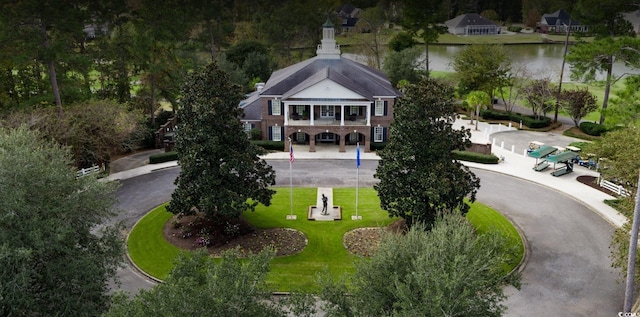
x=345, y=134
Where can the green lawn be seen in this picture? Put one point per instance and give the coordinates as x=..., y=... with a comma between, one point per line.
x=150, y=251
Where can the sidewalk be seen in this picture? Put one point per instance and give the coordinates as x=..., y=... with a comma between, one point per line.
x=515, y=163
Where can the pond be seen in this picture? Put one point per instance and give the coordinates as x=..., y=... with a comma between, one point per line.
x=541, y=60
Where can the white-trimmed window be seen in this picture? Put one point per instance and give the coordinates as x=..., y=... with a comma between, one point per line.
x=275, y=107
x=275, y=133
x=378, y=134
x=353, y=110
x=379, y=108
x=327, y=111
x=247, y=127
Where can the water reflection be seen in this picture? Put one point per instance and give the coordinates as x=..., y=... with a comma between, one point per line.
x=541, y=60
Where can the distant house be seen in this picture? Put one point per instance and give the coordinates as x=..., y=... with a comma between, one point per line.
x=325, y=99
x=472, y=24
x=558, y=22
x=634, y=19
x=349, y=16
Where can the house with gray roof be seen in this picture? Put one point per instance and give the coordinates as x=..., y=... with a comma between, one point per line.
x=325, y=99
x=557, y=22
x=472, y=24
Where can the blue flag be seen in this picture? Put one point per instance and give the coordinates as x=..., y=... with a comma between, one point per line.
x=358, y=155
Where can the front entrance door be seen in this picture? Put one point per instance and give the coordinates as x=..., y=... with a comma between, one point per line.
x=326, y=137
x=327, y=111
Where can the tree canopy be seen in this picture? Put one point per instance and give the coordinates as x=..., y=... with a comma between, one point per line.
x=447, y=271
x=481, y=67
x=625, y=107
x=419, y=177
x=57, y=252
x=221, y=175
x=200, y=286
x=578, y=103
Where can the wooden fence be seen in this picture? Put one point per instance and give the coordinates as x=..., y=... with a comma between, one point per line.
x=618, y=189
x=87, y=171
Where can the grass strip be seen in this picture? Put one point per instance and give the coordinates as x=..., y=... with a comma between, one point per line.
x=153, y=254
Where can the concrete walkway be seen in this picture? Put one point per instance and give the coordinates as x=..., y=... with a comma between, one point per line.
x=516, y=163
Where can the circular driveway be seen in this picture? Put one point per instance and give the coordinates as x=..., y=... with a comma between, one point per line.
x=568, y=271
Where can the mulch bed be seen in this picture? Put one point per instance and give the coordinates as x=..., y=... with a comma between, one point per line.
x=592, y=182
x=187, y=232
x=192, y=232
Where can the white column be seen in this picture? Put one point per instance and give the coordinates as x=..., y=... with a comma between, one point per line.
x=286, y=113
x=311, y=113
x=368, y=114
x=341, y=115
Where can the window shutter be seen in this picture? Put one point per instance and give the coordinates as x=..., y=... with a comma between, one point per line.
x=269, y=112
x=385, y=107
x=281, y=108
x=253, y=126
x=372, y=136
x=373, y=108
x=270, y=134
x=282, y=137
x=384, y=131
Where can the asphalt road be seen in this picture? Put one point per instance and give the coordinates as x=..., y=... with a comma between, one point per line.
x=568, y=270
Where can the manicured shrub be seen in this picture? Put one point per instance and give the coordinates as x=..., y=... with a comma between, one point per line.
x=256, y=134
x=163, y=157
x=529, y=121
x=269, y=145
x=377, y=146
x=475, y=157
x=593, y=129
x=494, y=115
x=514, y=28
x=534, y=123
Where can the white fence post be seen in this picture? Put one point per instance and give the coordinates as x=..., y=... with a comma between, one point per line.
x=502, y=145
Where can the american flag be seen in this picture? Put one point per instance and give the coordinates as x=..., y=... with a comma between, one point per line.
x=291, y=158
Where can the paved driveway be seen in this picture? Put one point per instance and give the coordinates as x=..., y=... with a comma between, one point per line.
x=568, y=272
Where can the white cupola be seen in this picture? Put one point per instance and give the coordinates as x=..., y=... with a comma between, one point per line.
x=328, y=49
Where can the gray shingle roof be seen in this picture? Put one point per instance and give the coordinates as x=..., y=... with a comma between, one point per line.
x=467, y=20
x=359, y=78
x=251, y=107
x=559, y=17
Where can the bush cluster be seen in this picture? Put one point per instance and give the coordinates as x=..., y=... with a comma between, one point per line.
x=514, y=28
x=529, y=121
x=377, y=146
x=592, y=129
x=269, y=145
x=475, y=157
x=163, y=157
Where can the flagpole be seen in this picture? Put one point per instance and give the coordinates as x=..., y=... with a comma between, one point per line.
x=357, y=178
x=291, y=216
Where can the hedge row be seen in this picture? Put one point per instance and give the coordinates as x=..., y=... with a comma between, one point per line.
x=163, y=157
x=269, y=145
x=529, y=121
x=475, y=157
